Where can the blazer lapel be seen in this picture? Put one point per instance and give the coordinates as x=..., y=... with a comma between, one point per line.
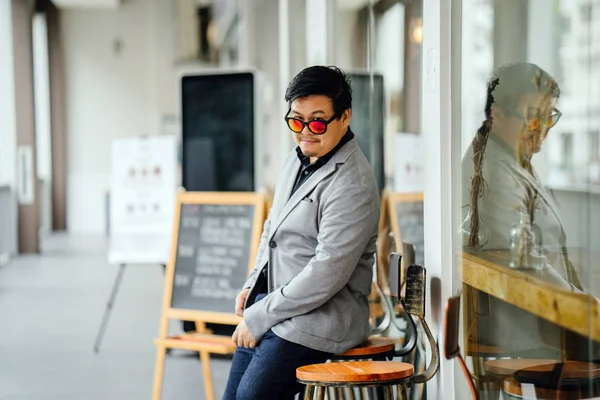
x=307, y=187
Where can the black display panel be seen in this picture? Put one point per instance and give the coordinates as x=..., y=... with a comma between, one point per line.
x=218, y=132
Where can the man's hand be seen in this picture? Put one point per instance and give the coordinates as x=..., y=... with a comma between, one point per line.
x=242, y=336
x=239, y=302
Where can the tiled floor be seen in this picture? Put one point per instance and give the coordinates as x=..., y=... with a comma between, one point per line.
x=51, y=306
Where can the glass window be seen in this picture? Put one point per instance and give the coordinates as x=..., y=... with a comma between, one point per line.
x=530, y=193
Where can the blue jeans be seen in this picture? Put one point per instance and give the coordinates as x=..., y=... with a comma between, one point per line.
x=269, y=370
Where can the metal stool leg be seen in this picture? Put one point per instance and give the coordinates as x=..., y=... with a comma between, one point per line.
x=365, y=393
x=402, y=392
x=308, y=392
x=320, y=393
x=350, y=393
x=388, y=392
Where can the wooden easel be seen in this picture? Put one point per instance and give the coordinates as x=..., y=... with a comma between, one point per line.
x=392, y=200
x=203, y=341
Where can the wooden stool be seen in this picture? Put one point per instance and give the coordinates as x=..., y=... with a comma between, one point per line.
x=205, y=344
x=513, y=390
x=496, y=371
x=379, y=374
x=362, y=374
x=508, y=366
x=567, y=380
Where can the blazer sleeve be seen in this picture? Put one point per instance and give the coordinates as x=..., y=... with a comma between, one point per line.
x=348, y=223
x=259, y=254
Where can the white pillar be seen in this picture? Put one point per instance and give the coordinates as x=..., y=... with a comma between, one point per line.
x=440, y=155
x=320, y=31
x=41, y=90
x=510, y=31
x=541, y=50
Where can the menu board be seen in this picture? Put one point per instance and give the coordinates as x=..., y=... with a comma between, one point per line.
x=214, y=245
x=213, y=250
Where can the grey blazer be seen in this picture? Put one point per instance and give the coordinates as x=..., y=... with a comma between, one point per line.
x=320, y=245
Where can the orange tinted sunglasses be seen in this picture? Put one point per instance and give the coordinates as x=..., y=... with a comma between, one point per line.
x=534, y=123
x=316, y=126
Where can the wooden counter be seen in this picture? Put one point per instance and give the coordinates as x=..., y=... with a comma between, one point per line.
x=543, y=294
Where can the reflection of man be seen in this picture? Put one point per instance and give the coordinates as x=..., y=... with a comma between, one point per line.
x=499, y=183
x=307, y=295
x=500, y=187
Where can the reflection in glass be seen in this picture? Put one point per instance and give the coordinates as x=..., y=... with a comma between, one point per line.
x=502, y=189
x=474, y=232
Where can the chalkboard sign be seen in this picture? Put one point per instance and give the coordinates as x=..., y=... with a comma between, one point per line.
x=406, y=215
x=214, y=246
x=212, y=255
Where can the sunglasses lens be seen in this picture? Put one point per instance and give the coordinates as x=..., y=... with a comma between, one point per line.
x=552, y=120
x=534, y=123
x=317, y=127
x=295, y=125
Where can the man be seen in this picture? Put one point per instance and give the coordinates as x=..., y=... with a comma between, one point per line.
x=306, y=298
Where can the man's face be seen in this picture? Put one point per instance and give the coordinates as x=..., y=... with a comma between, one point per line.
x=318, y=107
x=538, y=110
x=529, y=122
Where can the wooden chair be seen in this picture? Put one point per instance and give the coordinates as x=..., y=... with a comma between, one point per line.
x=388, y=375
x=451, y=338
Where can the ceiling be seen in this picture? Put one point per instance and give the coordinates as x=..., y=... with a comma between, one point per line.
x=97, y=4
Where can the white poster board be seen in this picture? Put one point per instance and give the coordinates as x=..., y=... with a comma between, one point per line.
x=142, y=199
x=408, y=163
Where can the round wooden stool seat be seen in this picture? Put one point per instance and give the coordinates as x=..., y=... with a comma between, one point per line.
x=573, y=372
x=507, y=367
x=576, y=380
x=514, y=390
x=355, y=371
x=373, y=346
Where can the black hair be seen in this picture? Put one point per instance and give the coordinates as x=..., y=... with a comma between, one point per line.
x=321, y=80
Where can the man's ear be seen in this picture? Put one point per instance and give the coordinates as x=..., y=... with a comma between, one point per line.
x=346, y=116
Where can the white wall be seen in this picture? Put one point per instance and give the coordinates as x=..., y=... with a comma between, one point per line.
x=8, y=132
x=112, y=93
x=8, y=138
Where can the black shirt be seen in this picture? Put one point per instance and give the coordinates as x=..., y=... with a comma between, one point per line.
x=307, y=169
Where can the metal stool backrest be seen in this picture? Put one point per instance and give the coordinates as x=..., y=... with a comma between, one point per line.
x=408, y=252
x=395, y=287
x=451, y=346
x=414, y=304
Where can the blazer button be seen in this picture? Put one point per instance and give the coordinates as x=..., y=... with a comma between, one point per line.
x=272, y=244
